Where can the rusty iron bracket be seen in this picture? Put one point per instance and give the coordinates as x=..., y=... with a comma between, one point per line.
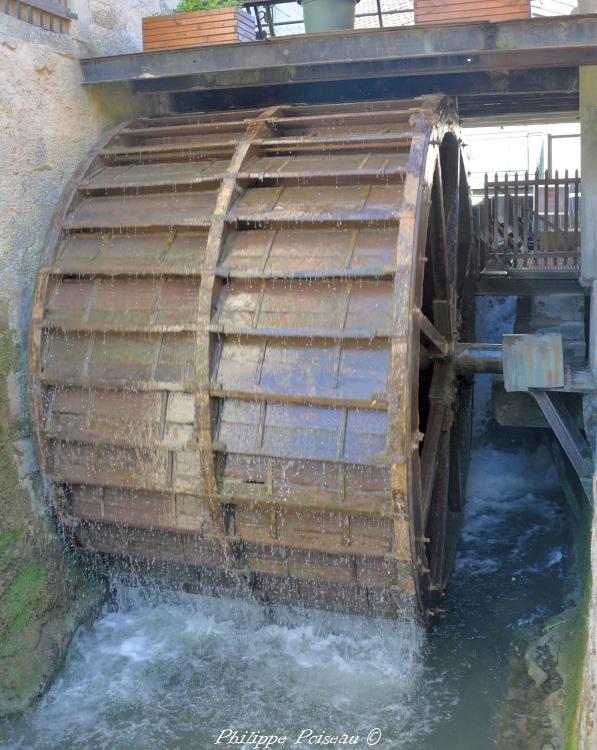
x=573, y=442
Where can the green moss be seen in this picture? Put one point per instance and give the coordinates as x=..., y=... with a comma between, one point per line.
x=572, y=657
x=542, y=702
x=24, y=593
x=573, y=644
x=44, y=594
x=23, y=679
x=8, y=537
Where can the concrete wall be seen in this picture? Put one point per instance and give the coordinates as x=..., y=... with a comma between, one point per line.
x=48, y=122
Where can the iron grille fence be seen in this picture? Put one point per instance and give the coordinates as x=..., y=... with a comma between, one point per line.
x=530, y=223
x=52, y=15
x=279, y=17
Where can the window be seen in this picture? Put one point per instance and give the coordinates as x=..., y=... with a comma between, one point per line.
x=52, y=15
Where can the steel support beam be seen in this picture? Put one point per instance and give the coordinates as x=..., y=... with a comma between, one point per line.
x=552, y=93
x=506, y=286
x=569, y=436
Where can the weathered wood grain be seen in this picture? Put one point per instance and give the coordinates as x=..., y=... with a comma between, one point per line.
x=220, y=26
x=225, y=350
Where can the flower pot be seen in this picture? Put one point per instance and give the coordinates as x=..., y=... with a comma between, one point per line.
x=220, y=26
x=328, y=15
x=455, y=11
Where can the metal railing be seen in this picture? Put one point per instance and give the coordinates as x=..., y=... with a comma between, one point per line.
x=529, y=224
x=269, y=18
x=52, y=15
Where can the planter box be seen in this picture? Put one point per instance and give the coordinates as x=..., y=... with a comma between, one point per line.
x=454, y=11
x=220, y=26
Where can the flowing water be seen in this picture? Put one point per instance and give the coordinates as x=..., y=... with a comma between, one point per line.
x=175, y=671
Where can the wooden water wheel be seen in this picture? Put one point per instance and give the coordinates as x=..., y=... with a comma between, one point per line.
x=241, y=352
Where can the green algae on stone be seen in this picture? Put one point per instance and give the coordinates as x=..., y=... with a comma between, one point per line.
x=540, y=710
x=6, y=537
x=573, y=647
x=44, y=594
x=26, y=593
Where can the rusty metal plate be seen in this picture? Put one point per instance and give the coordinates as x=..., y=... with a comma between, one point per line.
x=533, y=361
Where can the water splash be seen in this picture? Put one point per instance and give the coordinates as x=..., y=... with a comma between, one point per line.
x=173, y=670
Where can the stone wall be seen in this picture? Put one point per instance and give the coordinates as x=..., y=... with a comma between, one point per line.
x=588, y=125
x=588, y=696
x=48, y=123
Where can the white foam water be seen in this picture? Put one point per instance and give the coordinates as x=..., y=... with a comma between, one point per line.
x=494, y=317
x=174, y=671
x=175, y=674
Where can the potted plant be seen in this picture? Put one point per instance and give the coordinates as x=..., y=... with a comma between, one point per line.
x=455, y=11
x=328, y=15
x=197, y=22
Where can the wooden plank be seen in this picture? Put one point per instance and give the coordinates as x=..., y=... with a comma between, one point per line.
x=438, y=522
x=525, y=215
x=180, y=27
x=196, y=117
x=377, y=116
x=188, y=128
x=219, y=26
x=566, y=201
x=495, y=16
x=186, y=37
x=174, y=210
x=53, y=8
x=431, y=333
x=506, y=225
x=332, y=398
x=515, y=217
x=169, y=31
x=305, y=201
x=463, y=16
x=186, y=149
x=222, y=39
x=151, y=179
x=183, y=20
x=546, y=221
x=451, y=11
x=357, y=140
x=429, y=455
x=465, y=11
x=452, y=5
x=576, y=202
x=193, y=15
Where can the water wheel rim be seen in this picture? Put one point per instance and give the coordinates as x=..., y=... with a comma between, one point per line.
x=430, y=120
